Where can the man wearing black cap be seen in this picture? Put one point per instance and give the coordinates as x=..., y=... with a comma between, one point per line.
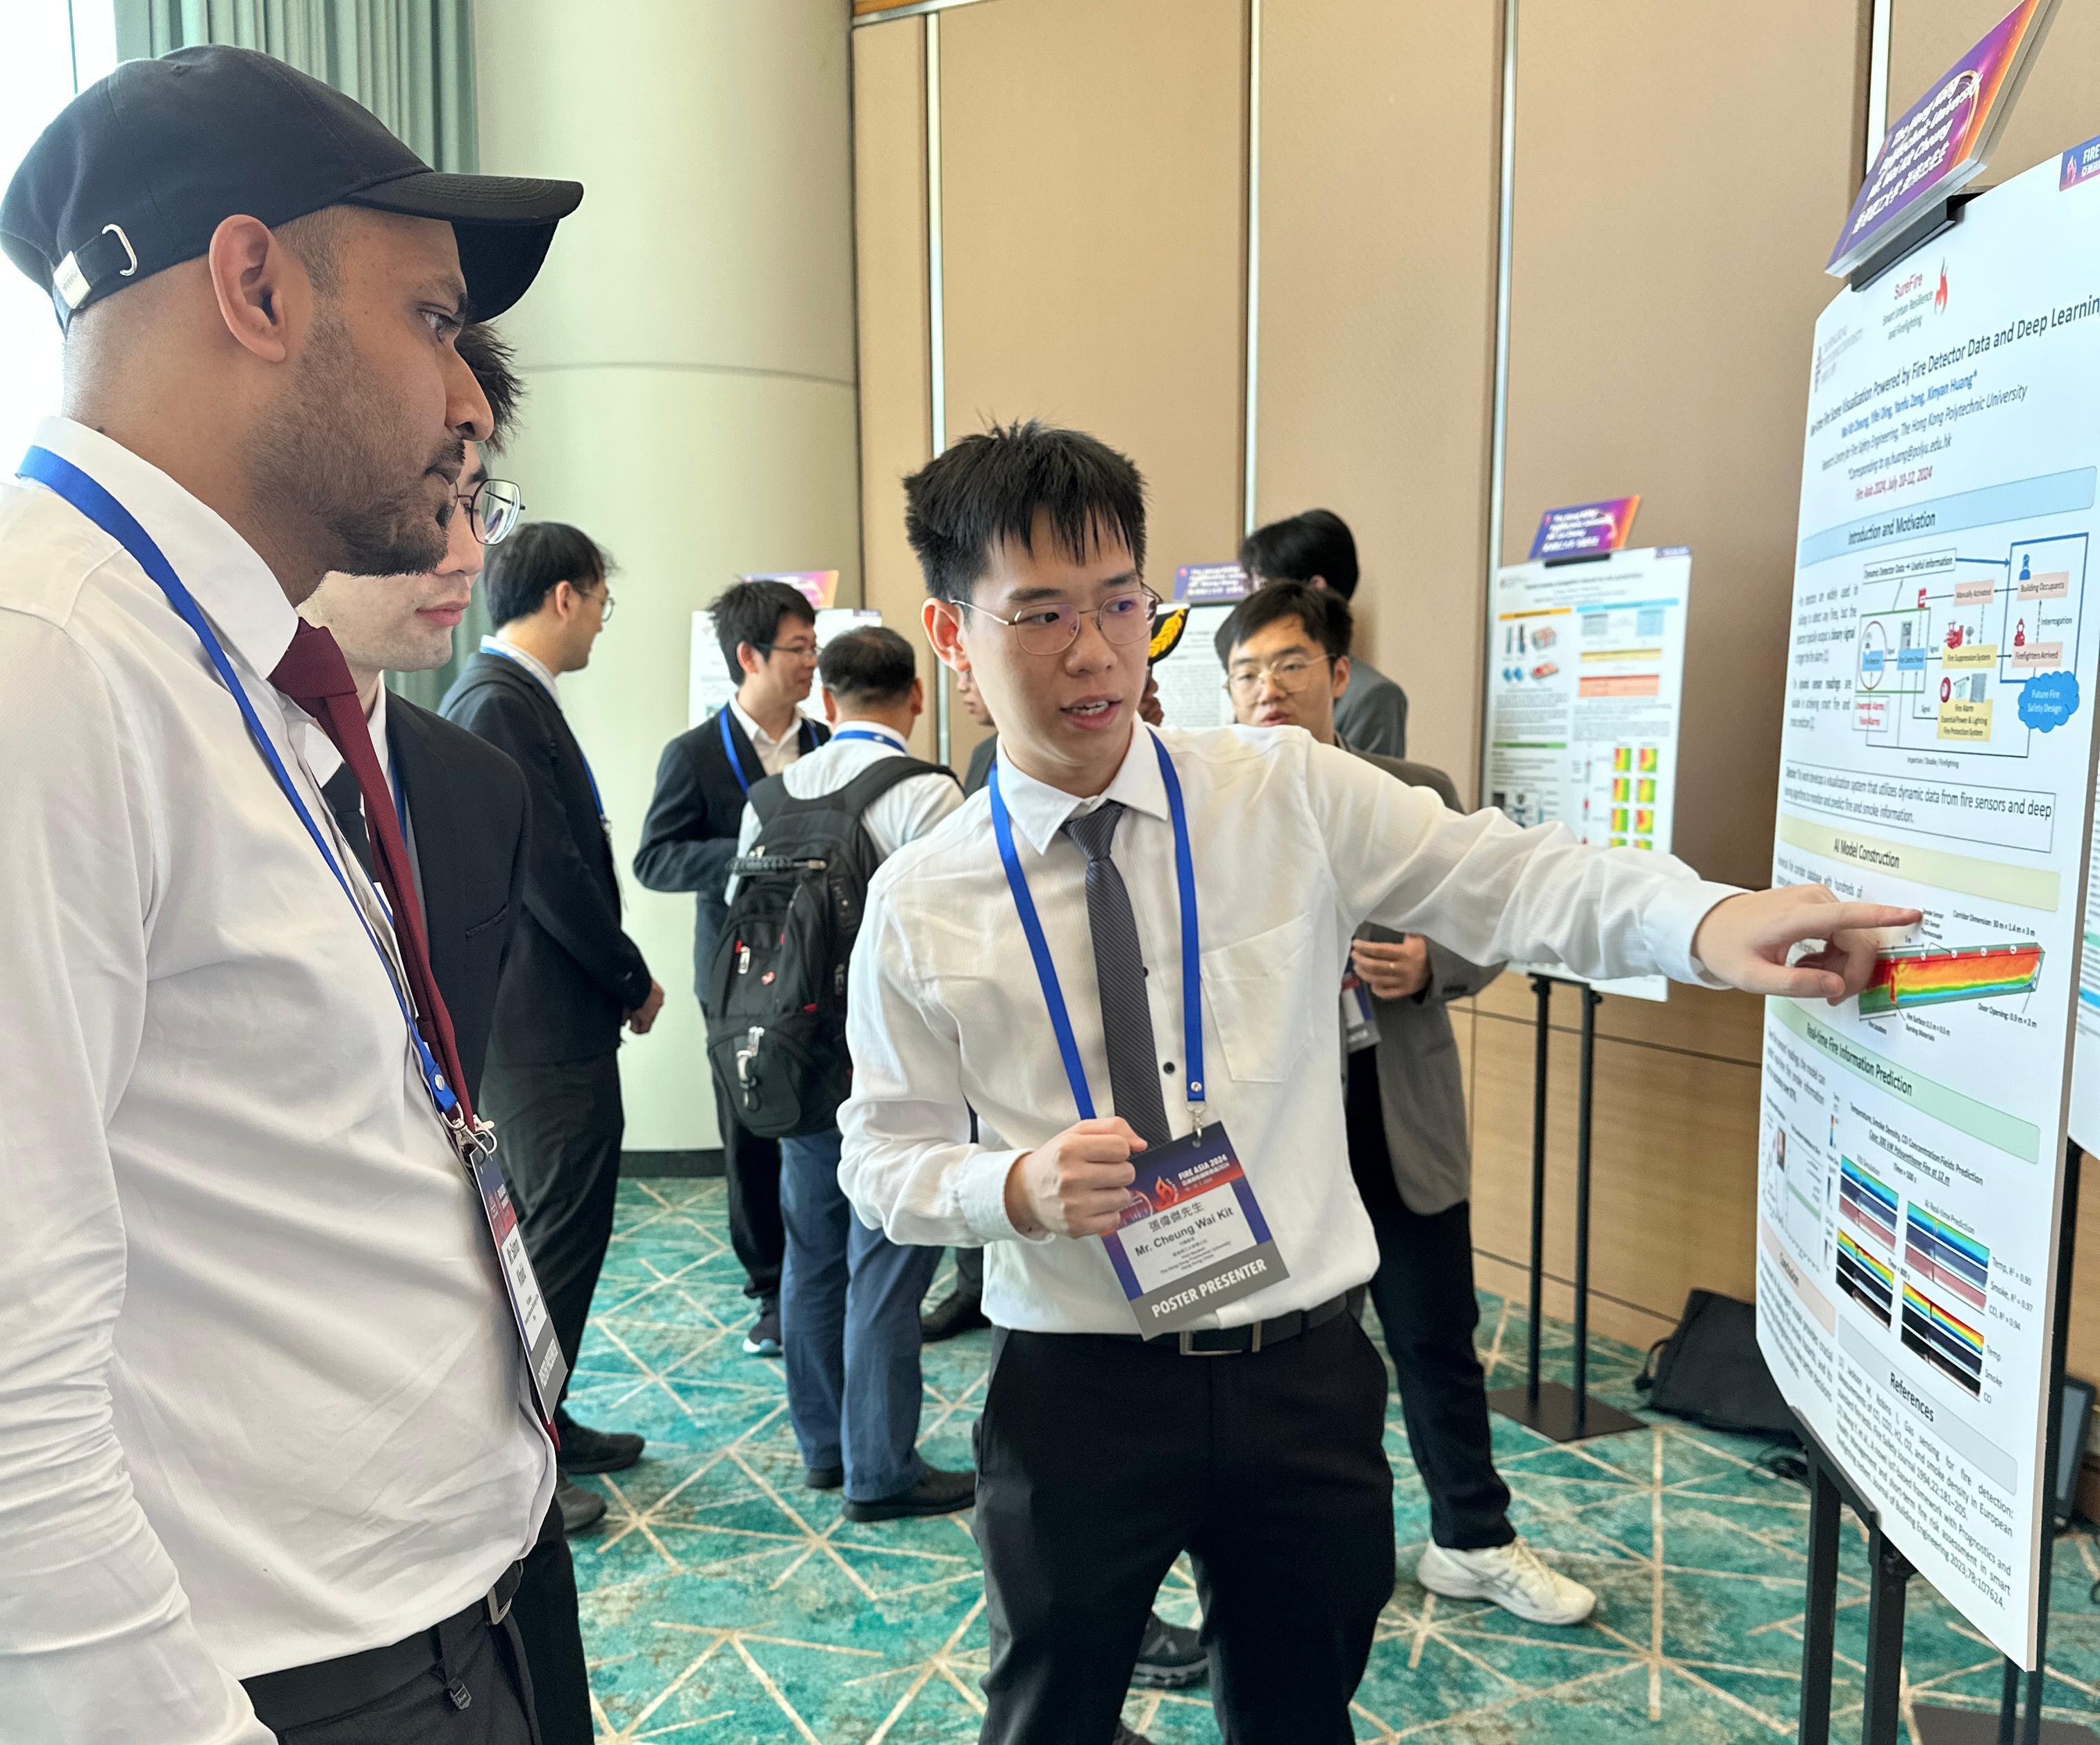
x=268, y=1451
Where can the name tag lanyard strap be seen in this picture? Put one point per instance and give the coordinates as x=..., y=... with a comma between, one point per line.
x=96, y=504
x=1046, y=970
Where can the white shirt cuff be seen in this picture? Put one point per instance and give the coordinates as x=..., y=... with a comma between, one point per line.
x=982, y=1193
x=1674, y=914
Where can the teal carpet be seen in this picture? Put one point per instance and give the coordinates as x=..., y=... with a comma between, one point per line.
x=723, y=1603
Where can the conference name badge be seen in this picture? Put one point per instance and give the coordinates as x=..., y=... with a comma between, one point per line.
x=1359, y=1024
x=1192, y=1238
x=528, y=1308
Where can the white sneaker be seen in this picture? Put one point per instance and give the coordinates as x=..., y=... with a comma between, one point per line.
x=1512, y=1575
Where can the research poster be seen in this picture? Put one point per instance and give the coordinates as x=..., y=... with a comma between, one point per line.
x=1585, y=688
x=1192, y=679
x=1937, y=754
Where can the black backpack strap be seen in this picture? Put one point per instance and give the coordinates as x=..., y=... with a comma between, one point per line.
x=768, y=795
x=881, y=776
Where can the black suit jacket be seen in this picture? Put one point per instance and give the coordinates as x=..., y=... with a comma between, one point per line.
x=573, y=974
x=689, y=836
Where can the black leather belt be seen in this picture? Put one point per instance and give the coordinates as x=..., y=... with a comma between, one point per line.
x=1258, y=1336
x=302, y=1695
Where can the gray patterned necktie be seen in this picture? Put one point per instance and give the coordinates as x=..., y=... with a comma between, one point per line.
x=1134, y=1068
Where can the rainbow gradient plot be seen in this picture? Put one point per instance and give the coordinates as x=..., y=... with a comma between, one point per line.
x=1943, y=1340
x=1935, y=976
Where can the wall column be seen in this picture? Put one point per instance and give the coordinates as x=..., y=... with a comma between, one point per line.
x=689, y=351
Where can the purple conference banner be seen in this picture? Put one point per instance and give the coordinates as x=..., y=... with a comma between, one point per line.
x=1935, y=146
x=1586, y=529
x=1195, y=584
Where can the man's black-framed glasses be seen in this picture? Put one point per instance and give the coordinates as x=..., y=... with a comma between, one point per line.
x=493, y=507
x=1123, y=618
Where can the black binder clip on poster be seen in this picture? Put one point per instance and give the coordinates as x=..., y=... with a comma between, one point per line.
x=1552, y=1409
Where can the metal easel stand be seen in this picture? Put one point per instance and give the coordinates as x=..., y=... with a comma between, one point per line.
x=1552, y=1410
x=1889, y=1573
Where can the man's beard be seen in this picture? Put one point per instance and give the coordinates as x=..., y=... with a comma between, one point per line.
x=334, y=448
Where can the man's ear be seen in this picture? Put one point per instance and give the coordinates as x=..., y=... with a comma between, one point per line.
x=831, y=703
x=749, y=660
x=943, y=622
x=1341, y=675
x=264, y=296
x=917, y=698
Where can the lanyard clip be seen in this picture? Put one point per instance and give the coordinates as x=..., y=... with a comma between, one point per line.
x=1198, y=1109
x=471, y=1142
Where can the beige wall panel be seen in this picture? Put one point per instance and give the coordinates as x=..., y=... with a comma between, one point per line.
x=1665, y=284
x=889, y=239
x=1674, y=1170
x=1376, y=345
x=1697, y=1020
x=1093, y=164
x=2059, y=106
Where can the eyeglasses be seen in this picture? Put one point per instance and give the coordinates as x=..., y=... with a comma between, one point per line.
x=493, y=508
x=1292, y=674
x=605, y=612
x=1123, y=619
x=793, y=651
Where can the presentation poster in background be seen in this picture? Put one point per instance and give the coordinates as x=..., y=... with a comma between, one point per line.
x=708, y=684
x=1937, y=754
x=1192, y=679
x=1585, y=684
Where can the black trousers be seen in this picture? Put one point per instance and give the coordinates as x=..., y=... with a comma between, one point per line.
x=1423, y=1293
x=498, y=1709
x=557, y=1131
x=1099, y=1460
x=544, y=1610
x=755, y=1233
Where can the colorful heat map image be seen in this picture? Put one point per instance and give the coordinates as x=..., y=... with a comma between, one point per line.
x=1946, y=1296
x=1867, y=1241
x=1934, y=975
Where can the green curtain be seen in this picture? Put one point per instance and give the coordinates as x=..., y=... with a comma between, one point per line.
x=410, y=62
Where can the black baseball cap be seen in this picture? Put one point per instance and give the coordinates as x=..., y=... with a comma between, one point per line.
x=138, y=171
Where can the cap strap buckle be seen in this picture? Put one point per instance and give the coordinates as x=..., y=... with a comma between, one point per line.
x=75, y=279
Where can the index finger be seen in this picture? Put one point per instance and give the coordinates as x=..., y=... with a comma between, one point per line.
x=1826, y=921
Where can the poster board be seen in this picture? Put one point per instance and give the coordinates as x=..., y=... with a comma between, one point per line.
x=1937, y=754
x=708, y=684
x=1584, y=692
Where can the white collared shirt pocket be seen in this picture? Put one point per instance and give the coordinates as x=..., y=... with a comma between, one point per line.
x=1253, y=993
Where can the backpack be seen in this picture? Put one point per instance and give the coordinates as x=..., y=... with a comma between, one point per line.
x=1711, y=1371
x=776, y=987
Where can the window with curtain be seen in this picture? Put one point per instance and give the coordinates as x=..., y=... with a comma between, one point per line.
x=410, y=62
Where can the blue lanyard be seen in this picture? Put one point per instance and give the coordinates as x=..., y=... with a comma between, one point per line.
x=729, y=745
x=98, y=506
x=862, y=733
x=1046, y=971
x=491, y=646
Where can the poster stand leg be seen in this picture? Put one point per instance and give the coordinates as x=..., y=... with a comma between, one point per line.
x=1889, y=1573
x=1555, y=1411
x=2009, y=1726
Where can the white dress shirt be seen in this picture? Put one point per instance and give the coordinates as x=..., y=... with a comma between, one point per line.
x=774, y=755
x=262, y=1402
x=904, y=814
x=1295, y=845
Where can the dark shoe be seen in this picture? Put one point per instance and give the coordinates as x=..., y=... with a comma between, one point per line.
x=1169, y=1658
x=953, y=1314
x=584, y=1449
x=822, y=1477
x=764, y=1338
x=936, y=1493
x=581, y=1509
x=1125, y=1736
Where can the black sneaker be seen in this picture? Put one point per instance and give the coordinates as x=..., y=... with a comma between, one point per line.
x=1169, y=1658
x=764, y=1338
x=937, y=1493
x=822, y=1477
x=955, y=1313
x=581, y=1509
x=584, y=1449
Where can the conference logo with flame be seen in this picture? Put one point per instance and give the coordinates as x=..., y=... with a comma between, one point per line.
x=1940, y=296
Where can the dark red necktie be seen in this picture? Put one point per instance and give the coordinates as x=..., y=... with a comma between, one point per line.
x=315, y=676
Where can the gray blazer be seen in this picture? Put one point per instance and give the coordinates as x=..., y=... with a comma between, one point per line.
x=1372, y=714
x=1419, y=1083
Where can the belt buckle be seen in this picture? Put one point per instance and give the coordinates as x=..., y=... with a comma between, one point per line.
x=498, y=1609
x=1187, y=1350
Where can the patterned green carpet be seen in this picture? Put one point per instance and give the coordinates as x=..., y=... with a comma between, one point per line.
x=723, y=1603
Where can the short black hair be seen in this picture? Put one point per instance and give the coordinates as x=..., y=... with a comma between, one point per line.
x=870, y=664
x=522, y=570
x=1296, y=549
x=751, y=612
x=986, y=489
x=495, y=367
x=1325, y=614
